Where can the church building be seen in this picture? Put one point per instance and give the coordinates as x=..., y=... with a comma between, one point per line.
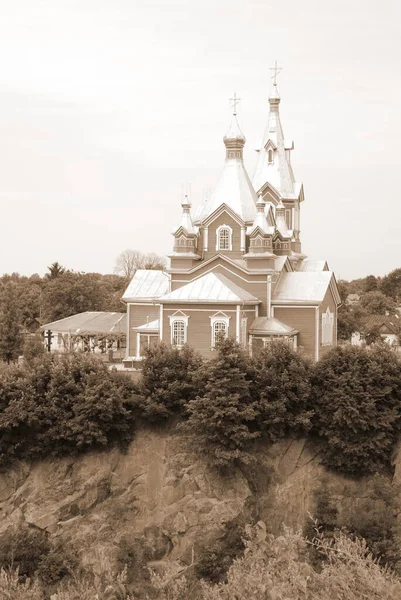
x=237, y=267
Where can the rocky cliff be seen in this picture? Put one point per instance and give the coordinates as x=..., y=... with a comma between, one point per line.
x=162, y=499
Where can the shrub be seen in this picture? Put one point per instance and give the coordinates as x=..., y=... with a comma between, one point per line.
x=281, y=385
x=356, y=397
x=215, y=560
x=11, y=587
x=278, y=567
x=23, y=548
x=223, y=415
x=33, y=347
x=170, y=378
x=63, y=405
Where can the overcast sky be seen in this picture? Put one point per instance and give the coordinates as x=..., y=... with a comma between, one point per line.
x=107, y=106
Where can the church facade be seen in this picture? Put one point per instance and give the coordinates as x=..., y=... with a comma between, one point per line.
x=237, y=266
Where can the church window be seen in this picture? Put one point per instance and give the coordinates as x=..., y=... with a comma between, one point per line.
x=327, y=328
x=224, y=238
x=270, y=156
x=219, y=326
x=179, y=329
x=219, y=331
x=178, y=333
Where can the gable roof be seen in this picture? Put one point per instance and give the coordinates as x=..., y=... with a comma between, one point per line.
x=270, y=326
x=303, y=287
x=90, y=323
x=313, y=265
x=147, y=284
x=377, y=321
x=212, y=287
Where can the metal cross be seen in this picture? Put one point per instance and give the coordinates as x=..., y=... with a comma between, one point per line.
x=276, y=70
x=234, y=102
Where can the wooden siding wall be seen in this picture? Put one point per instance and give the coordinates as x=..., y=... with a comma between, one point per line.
x=139, y=314
x=224, y=219
x=199, y=333
x=327, y=302
x=302, y=319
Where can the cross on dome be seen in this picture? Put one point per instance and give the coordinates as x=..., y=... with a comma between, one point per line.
x=234, y=102
x=276, y=71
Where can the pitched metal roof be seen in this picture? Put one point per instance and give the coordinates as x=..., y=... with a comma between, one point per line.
x=270, y=326
x=90, y=322
x=309, y=287
x=313, y=265
x=212, y=287
x=152, y=326
x=147, y=284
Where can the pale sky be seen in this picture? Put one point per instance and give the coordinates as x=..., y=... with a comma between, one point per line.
x=108, y=106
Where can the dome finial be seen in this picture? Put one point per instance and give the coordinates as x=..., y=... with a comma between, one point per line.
x=274, y=95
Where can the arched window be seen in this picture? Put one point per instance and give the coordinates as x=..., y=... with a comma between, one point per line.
x=327, y=328
x=178, y=333
x=224, y=238
x=219, y=331
x=270, y=156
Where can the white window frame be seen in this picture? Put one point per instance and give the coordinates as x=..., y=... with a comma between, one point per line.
x=218, y=319
x=173, y=319
x=327, y=328
x=270, y=155
x=230, y=237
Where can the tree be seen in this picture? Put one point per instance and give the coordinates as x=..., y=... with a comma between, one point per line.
x=72, y=293
x=282, y=388
x=391, y=285
x=10, y=324
x=129, y=261
x=55, y=270
x=371, y=283
x=223, y=415
x=64, y=404
x=347, y=323
x=169, y=380
x=356, y=398
x=376, y=303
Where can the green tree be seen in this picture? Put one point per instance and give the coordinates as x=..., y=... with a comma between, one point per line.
x=391, y=285
x=356, y=397
x=223, y=415
x=376, y=303
x=347, y=322
x=371, y=283
x=33, y=347
x=10, y=324
x=72, y=293
x=55, y=270
x=170, y=378
x=282, y=388
x=64, y=405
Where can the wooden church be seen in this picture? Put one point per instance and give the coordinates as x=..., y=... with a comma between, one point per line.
x=237, y=267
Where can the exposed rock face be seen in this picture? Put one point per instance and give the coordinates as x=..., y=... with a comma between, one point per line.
x=162, y=498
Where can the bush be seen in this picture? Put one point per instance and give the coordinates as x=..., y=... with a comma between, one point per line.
x=23, y=548
x=64, y=405
x=33, y=347
x=278, y=567
x=223, y=417
x=215, y=560
x=281, y=385
x=356, y=398
x=170, y=378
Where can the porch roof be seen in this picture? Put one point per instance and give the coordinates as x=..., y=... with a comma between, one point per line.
x=271, y=326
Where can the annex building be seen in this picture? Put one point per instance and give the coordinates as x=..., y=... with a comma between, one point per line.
x=237, y=266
